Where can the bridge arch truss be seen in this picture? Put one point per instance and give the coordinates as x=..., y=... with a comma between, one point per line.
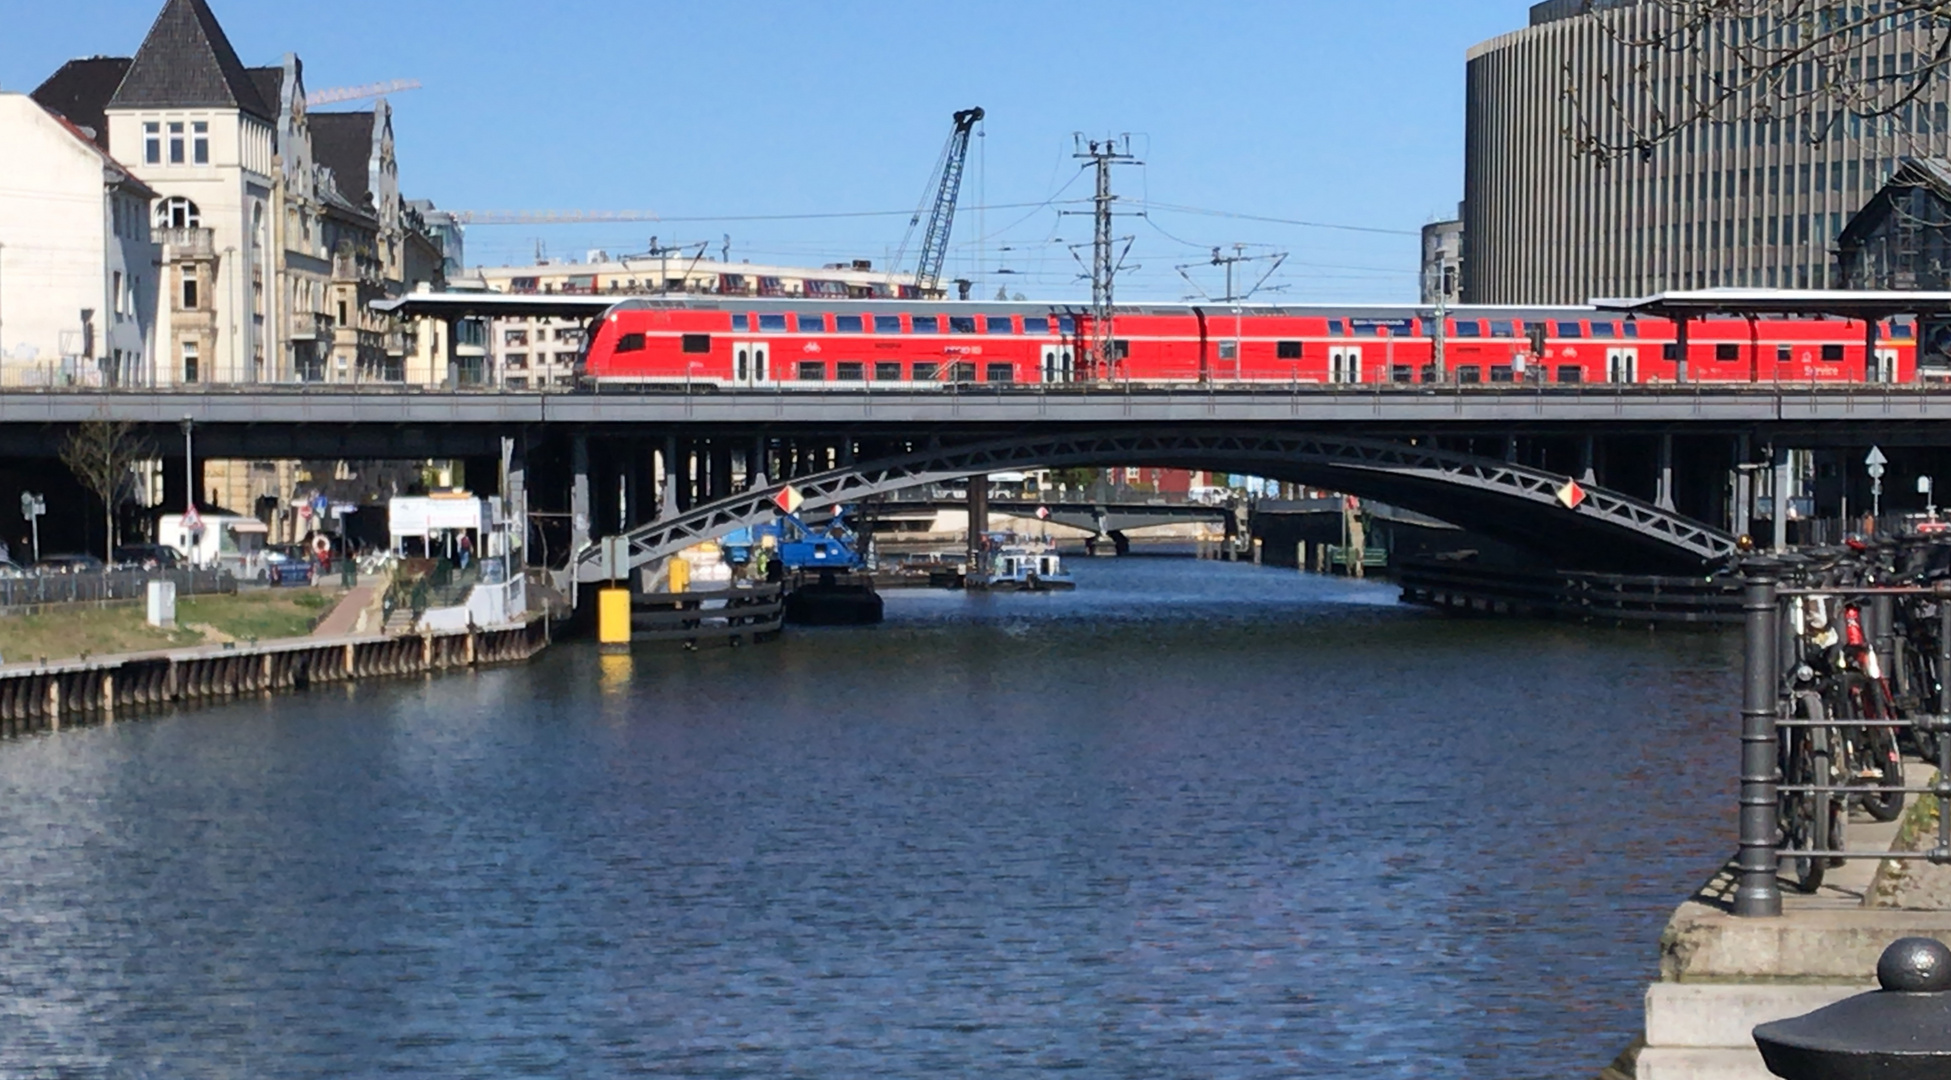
x=1509, y=502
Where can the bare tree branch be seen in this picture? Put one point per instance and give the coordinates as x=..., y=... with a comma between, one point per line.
x=103, y=454
x=1806, y=64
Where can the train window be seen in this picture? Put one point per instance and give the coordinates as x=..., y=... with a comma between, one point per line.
x=1287, y=350
x=773, y=323
x=1832, y=353
x=1035, y=325
x=1469, y=374
x=887, y=371
x=999, y=373
x=847, y=324
x=1066, y=324
x=697, y=343
x=926, y=324
x=1727, y=351
x=1571, y=373
x=1121, y=349
x=1630, y=329
x=850, y=371
x=927, y=370
x=812, y=324
x=1001, y=324
x=1401, y=373
x=1500, y=328
x=1605, y=329
x=1229, y=350
x=1670, y=351
x=1570, y=330
x=1783, y=354
x=1366, y=329
x=961, y=324
x=1469, y=328
x=1336, y=327
x=1903, y=330
x=741, y=323
x=963, y=372
x=630, y=343
x=1502, y=373
x=887, y=324
x=812, y=370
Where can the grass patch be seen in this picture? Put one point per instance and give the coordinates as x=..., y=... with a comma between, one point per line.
x=70, y=631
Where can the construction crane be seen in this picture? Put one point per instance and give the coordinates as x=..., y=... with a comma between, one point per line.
x=339, y=94
x=946, y=183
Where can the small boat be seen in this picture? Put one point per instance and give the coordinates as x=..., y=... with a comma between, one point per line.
x=1034, y=566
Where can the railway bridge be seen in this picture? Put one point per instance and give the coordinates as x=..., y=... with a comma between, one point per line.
x=1670, y=475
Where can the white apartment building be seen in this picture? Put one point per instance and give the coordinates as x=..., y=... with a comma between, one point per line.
x=77, y=266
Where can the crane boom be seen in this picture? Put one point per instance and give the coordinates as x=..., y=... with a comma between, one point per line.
x=338, y=94
x=941, y=221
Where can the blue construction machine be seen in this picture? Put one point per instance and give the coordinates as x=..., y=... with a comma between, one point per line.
x=797, y=545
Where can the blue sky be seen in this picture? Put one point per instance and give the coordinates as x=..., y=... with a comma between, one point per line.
x=1342, y=113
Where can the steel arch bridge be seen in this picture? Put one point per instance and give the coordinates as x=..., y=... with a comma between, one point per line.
x=1508, y=502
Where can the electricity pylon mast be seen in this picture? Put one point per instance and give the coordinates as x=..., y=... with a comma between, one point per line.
x=1104, y=268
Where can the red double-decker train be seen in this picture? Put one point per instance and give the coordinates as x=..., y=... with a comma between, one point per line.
x=914, y=344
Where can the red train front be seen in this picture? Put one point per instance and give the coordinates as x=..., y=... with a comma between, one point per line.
x=835, y=344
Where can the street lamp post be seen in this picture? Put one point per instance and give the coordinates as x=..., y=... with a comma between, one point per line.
x=189, y=486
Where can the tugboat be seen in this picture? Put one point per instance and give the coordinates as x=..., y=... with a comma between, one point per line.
x=1018, y=565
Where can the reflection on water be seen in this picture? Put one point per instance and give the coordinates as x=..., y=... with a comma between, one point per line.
x=1191, y=820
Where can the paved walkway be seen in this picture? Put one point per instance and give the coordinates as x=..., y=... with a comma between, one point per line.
x=344, y=619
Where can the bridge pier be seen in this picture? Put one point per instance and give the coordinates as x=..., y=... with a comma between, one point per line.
x=721, y=469
x=1663, y=480
x=579, y=493
x=1744, y=487
x=978, y=553
x=1780, y=490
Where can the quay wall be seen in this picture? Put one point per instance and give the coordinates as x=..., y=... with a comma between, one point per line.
x=42, y=697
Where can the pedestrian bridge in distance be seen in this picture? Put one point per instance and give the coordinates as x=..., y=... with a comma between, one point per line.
x=1529, y=507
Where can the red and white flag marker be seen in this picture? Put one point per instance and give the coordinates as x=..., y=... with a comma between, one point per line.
x=1572, y=495
x=789, y=499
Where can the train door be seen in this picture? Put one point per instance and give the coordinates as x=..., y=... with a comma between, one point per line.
x=1345, y=364
x=1622, y=365
x=1059, y=364
x=1885, y=368
x=749, y=362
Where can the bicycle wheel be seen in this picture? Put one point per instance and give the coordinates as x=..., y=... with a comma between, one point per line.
x=1873, y=758
x=1809, y=819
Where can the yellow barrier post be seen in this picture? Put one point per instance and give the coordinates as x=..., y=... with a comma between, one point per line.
x=613, y=620
x=680, y=576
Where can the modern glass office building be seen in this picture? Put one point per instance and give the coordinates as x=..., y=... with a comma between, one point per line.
x=1733, y=200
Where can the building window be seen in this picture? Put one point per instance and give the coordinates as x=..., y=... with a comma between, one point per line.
x=178, y=213
x=518, y=361
x=176, y=143
x=518, y=384
x=342, y=313
x=514, y=337
x=189, y=362
x=152, y=144
x=190, y=296
x=200, y=143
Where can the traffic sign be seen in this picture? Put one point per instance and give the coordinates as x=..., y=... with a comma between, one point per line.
x=1043, y=513
x=789, y=499
x=192, y=521
x=305, y=512
x=1876, y=463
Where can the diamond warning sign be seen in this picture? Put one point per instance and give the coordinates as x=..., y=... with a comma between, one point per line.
x=789, y=499
x=1571, y=495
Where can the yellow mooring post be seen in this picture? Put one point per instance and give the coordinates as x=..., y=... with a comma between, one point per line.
x=613, y=620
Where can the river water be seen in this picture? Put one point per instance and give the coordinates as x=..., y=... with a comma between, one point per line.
x=1194, y=820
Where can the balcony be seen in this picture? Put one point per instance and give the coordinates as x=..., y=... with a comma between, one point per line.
x=186, y=243
x=304, y=325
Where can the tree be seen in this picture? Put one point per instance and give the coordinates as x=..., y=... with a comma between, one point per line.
x=103, y=454
x=1809, y=66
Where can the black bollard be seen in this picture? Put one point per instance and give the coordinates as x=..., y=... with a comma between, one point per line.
x=1759, y=891
x=1901, y=1032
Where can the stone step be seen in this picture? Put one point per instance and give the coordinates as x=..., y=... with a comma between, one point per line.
x=1708, y=1016
x=1667, y=1063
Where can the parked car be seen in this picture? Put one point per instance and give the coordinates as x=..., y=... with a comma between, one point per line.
x=147, y=557
x=70, y=564
x=287, y=564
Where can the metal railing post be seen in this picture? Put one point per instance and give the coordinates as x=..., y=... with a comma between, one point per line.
x=1759, y=892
